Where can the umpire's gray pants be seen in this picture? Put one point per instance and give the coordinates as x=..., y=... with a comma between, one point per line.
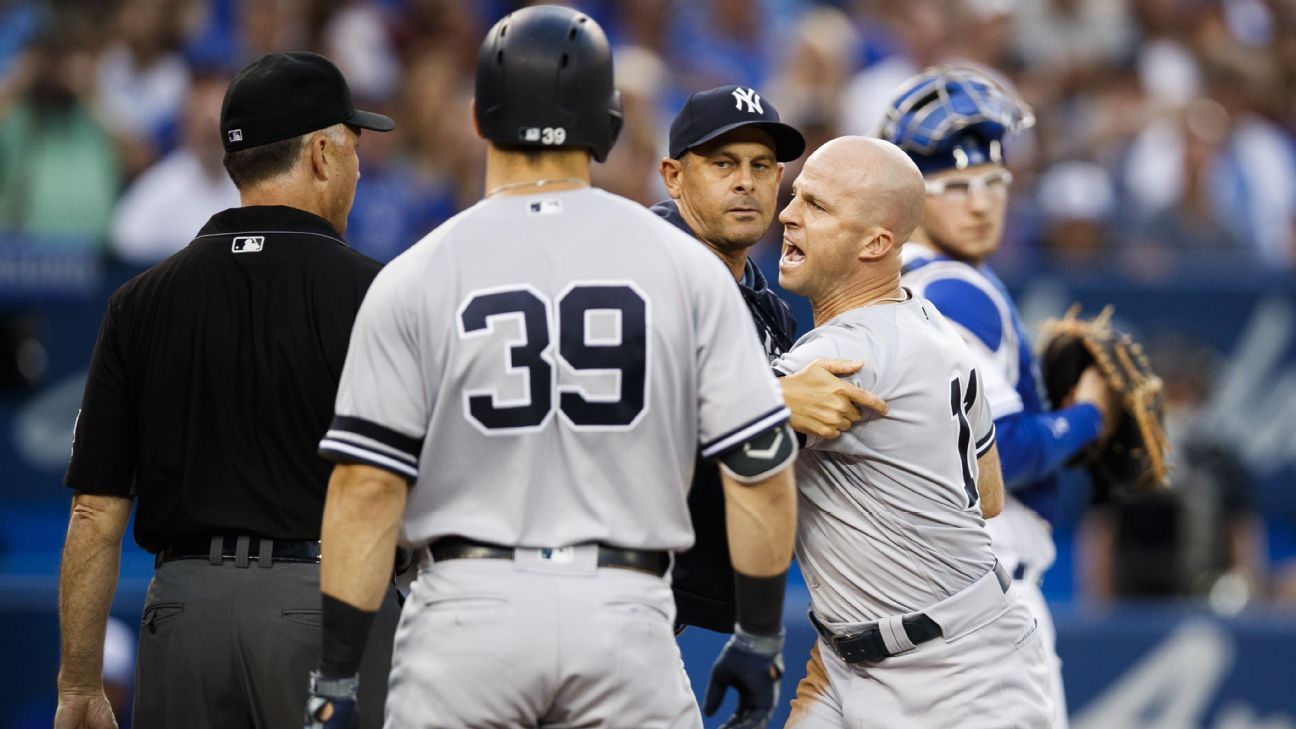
x=506, y=644
x=232, y=647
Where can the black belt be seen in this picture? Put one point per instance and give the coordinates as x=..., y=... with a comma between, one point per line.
x=652, y=562
x=218, y=549
x=867, y=646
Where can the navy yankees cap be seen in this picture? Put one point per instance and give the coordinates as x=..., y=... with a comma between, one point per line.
x=708, y=114
x=283, y=95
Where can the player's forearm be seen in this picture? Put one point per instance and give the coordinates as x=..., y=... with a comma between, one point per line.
x=1034, y=445
x=362, y=515
x=761, y=519
x=87, y=581
x=990, y=485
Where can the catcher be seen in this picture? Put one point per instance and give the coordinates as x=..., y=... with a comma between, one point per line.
x=952, y=123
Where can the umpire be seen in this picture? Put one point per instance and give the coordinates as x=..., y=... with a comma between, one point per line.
x=211, y=382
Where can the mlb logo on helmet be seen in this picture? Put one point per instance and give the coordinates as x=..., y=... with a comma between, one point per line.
x=236, y=135
x=248, y=244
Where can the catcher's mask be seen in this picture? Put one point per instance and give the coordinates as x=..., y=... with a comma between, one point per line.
x=544, y=80
x=953, y=117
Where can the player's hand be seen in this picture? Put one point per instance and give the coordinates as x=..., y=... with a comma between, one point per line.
x=331, y=703
x=1092, y=388
x=822, y=403
x=752, y=665
x=84, y=711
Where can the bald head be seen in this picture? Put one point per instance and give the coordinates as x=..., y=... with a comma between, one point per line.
x=880, y=178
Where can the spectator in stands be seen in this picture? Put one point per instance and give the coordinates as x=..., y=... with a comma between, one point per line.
x=142, y=79
x=1077, y=202
x=173, y=198
x=59, y=171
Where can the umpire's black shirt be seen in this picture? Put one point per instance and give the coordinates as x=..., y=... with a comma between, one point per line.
x=703, y=579
x=213, y=380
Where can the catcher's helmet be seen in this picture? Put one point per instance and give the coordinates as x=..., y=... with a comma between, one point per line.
x=544, y=79
x=953, y=117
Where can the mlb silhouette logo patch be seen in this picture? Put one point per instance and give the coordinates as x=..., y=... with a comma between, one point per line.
x=236, y=135
x=248, y=244
x=544, y=207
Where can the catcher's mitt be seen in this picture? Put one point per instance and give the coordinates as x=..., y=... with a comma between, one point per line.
x=1134, y=458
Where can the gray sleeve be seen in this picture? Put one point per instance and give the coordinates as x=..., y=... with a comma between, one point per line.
x=983, y=427
x=737, y=393
x=382, y=406
x=833, y=342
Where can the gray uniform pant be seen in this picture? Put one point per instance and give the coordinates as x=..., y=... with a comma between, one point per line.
x=994, y=677
x=233, y=647
x=522, y=644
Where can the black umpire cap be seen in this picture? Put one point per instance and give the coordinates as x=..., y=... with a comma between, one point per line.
x=708, y=114
x=284, y=95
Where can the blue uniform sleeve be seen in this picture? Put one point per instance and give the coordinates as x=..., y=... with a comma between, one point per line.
x=1033, y=446
x=965, y=303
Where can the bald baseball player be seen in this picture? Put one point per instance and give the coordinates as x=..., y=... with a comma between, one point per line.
x=523, y=398
x=953, y=122
x=915, y=626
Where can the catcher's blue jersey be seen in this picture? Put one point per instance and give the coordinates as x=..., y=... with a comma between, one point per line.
x=976, y=301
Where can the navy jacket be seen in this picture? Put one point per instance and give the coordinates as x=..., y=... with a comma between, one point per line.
x=703, y=578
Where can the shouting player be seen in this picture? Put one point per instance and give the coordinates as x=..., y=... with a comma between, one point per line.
x=916, y=628
x=952, y=123
x=523, y=397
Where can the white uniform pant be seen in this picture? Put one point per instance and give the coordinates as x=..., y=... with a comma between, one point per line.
x=990, y=678
x=504, y=643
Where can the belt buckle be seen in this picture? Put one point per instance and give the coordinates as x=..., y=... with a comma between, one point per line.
x=866, y=646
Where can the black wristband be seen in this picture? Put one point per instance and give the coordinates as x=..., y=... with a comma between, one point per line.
x=760, y=602
x=346, y=630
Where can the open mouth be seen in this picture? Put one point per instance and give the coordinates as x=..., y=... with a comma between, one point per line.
x=792, y=256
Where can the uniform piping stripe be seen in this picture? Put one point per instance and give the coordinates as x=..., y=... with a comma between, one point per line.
x=371, y=444
x=983, y=445
x=349, y=452
x=276, y=232
x=738, y=435
x=393, y=439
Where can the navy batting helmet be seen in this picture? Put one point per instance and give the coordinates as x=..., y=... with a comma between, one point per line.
x=953, y=117
x=544, y=79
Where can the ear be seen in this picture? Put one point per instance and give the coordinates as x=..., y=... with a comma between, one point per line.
x=319, y=156
x=472, y=114
x=778, y=175
x=879, y=243
x=670, y=171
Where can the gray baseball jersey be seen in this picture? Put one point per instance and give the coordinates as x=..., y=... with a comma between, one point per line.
x=888, y=521
x=546, y=383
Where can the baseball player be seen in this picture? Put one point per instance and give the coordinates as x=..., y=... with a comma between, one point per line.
x=952, y=123
x=523, y=397
x=916, y=628
x=727, y=149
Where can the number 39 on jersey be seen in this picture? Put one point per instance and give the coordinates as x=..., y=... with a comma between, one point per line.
x=601, y=329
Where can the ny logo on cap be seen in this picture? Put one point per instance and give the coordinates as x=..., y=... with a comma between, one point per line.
x=748, y=97
x=236, y=135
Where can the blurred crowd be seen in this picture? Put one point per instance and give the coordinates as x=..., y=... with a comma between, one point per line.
x=1164, y=135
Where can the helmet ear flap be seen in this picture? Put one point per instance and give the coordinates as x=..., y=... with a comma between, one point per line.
x=617, y=120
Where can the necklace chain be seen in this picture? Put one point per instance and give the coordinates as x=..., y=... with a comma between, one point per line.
x=903, y=297
x=538, y=183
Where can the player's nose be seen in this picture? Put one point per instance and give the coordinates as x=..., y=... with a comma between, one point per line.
x=789, y=215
